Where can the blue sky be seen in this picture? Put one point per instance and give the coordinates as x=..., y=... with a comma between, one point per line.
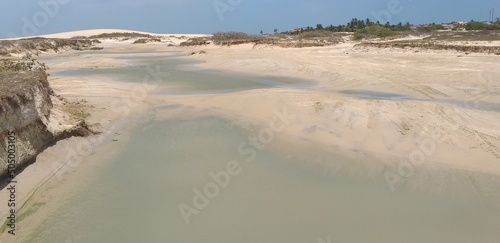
x=27, y=17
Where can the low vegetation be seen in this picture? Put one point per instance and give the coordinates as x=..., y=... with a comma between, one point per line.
x=27, y=63
x=309, y=39
x=18, y=76
x=19, y=82
x=374, y=32
x=417, y=46
x=43, y=45
x=198, y=41
x=473, y=25
x=464, y=36
x=228, y=38
x=146, y=40
x=120, y=35
x=315, y=34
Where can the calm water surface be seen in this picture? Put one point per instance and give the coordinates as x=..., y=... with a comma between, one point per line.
x=136, y=197
x=176, y=76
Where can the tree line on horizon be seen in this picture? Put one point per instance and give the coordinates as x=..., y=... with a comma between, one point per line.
x=357, y=24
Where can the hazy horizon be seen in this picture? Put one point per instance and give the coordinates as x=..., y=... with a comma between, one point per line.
x=26, y=18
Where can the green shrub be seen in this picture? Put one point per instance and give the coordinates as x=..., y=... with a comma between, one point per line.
x=431, y=27
x=315, y=34
x=371, y=31
x=473, y=25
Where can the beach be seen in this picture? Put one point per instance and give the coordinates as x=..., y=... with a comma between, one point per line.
x=407, y=117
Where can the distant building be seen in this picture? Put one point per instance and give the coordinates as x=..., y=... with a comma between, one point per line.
x=296, y=29
x=448, y=26
x=458, y=24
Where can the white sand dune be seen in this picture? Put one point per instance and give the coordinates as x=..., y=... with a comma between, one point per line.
x=92, y=32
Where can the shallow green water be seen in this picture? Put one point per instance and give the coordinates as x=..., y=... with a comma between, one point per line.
x=174, y=78
x=135, y=197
